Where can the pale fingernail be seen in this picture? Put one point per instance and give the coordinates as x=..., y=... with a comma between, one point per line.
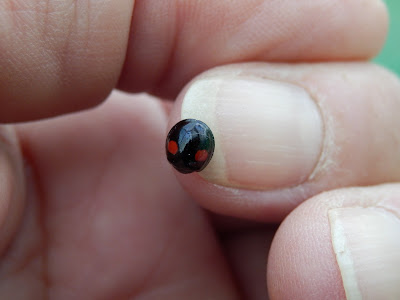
x=268, y=134
x=366, y=242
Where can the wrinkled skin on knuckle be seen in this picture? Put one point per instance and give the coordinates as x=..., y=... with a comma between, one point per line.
x=59, y=56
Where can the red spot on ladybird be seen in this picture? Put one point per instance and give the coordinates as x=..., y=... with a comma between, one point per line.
x=172, y=147
x=201, y=155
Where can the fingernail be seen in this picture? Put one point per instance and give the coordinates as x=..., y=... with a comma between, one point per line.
x=366, y=242
x=268, y=134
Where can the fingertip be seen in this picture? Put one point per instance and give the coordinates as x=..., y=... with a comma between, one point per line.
x=284, y=133
x=342, y=244
x=301, y=262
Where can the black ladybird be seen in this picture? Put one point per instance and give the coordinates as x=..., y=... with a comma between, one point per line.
x=190, y=146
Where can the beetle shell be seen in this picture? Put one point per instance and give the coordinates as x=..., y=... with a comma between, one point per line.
x=190, y=146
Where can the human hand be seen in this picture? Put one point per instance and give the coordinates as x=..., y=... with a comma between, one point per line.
x=90, y=209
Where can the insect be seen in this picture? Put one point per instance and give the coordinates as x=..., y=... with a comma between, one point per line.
x=190, y=146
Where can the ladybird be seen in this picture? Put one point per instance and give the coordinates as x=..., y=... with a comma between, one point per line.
x=190, y=146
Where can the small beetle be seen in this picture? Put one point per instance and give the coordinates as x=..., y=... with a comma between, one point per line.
x=190, y=146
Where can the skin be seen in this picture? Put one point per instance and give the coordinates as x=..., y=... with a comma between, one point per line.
x=90, y=208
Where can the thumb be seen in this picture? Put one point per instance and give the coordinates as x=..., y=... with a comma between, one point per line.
x=340, y=244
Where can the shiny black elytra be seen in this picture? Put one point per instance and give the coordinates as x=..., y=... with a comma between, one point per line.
x=190, y=146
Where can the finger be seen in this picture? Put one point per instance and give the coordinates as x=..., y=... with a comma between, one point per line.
x=58, y=56
x=284, y=133
x=343, y=244
x=11, y=186
x=182, y=39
